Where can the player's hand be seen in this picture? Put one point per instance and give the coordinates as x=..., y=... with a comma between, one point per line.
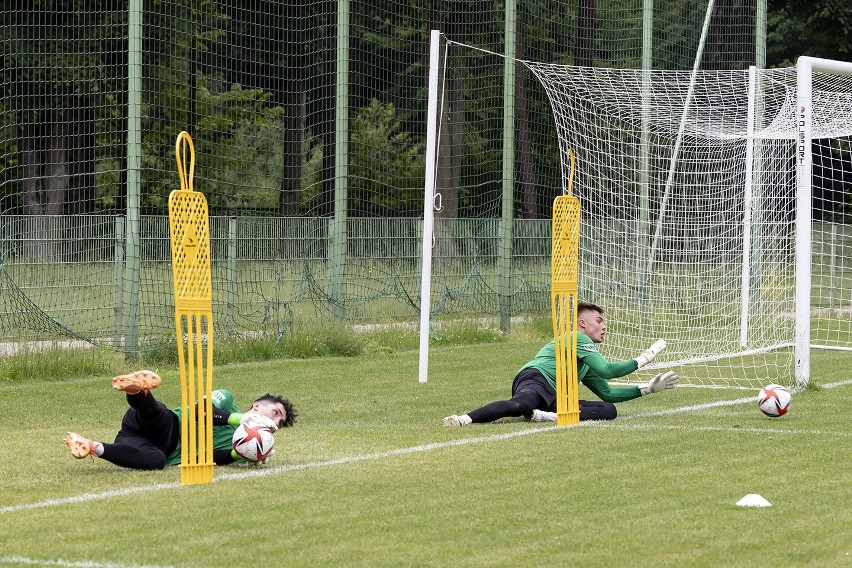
x=255, y=418
x=648, y=355
x=667, y=380
x=264, y=461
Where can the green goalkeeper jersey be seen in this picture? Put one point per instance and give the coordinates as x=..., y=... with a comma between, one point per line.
x=222, y=435
x=593, y=370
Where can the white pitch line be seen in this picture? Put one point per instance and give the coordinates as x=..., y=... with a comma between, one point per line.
x=263, y=472
x=749, y=430
x=69, y=564
x=693, y=408
x=837, y=384
x=88, y=497
x=267, y=471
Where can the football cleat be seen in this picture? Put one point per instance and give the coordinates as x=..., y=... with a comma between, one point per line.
x=80, y=447
x=136, y=382
x=452, y=420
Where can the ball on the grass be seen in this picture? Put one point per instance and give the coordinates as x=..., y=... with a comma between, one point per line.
x=774, y=400
x=253, y=442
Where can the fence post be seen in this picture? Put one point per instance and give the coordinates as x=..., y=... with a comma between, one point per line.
x=232, y=272
x=119, y=270
x=134, y=182
x=504, y=261
x=337, y=233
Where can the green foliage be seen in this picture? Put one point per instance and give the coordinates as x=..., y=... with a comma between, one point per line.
x=243, y=153
x=238, y=154
x=538, y=328
x=308, y=340
x=822, y=28
x=320, y=340
x=32, y=363
x=387, y=164
x=299, y=342
x=215, y=68
x=312, y=173
x=463, y=332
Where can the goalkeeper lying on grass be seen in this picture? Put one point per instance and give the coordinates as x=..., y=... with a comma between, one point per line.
x=534, y=387
x=150, y=432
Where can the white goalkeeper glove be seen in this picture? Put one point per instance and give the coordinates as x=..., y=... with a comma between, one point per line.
x=264, y=461
x=667, y=380
x=648, y=355
x=255, y=418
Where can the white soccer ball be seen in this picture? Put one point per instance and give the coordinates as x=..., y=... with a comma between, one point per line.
x=774, y=400
x=253, y=442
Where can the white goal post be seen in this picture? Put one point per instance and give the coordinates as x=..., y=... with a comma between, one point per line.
x=716, y=213
x=428, y=205
x=806, y=67
x=697, y=191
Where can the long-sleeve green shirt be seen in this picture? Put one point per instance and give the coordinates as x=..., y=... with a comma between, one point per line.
x=593, y=370
x=222, y=434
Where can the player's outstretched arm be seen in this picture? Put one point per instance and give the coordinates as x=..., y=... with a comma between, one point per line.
x=667, y=380
x=236, y=418
x=648, y=355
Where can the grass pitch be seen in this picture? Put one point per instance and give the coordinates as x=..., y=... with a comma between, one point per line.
x=370, y=477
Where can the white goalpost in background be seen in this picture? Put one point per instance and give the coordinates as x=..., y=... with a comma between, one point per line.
x=833, y=113
x=716, y=213
x=428, y=205
x=710, y=240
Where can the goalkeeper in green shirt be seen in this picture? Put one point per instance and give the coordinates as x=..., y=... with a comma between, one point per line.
x=150, y=432
x=534, y=387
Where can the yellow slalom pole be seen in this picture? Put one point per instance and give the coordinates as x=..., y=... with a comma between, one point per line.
x=189, y=230
x=565, y=255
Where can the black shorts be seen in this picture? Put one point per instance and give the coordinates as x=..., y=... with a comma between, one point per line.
x=160, y=429
x=531, y=379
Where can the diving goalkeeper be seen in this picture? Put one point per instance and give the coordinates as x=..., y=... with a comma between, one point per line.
x=151, y=432
x=534, y=386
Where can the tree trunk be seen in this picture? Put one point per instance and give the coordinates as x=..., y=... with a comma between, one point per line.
x=42, y=150
x=524, y=172
x=325, y=95
x=81, y=158
x=294, y=101
x=294, y=138
x=448, y=175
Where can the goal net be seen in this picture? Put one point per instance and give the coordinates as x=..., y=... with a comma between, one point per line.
x=688, y=187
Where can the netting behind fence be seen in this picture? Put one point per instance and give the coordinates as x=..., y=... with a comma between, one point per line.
x=309, y=123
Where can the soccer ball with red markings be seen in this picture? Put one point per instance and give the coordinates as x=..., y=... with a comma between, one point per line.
x=774, y=400
x=253, y=442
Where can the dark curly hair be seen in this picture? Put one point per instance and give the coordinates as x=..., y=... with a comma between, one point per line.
x=291, y=412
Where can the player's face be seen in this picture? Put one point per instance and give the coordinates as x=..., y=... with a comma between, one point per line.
x=273, y=410
x=591, y=322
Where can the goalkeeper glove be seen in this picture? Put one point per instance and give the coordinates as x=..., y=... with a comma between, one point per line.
x=667, y=380
x=254, y=418
x=648, y=355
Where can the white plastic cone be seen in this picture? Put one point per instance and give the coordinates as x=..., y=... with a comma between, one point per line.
x=753, y=500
